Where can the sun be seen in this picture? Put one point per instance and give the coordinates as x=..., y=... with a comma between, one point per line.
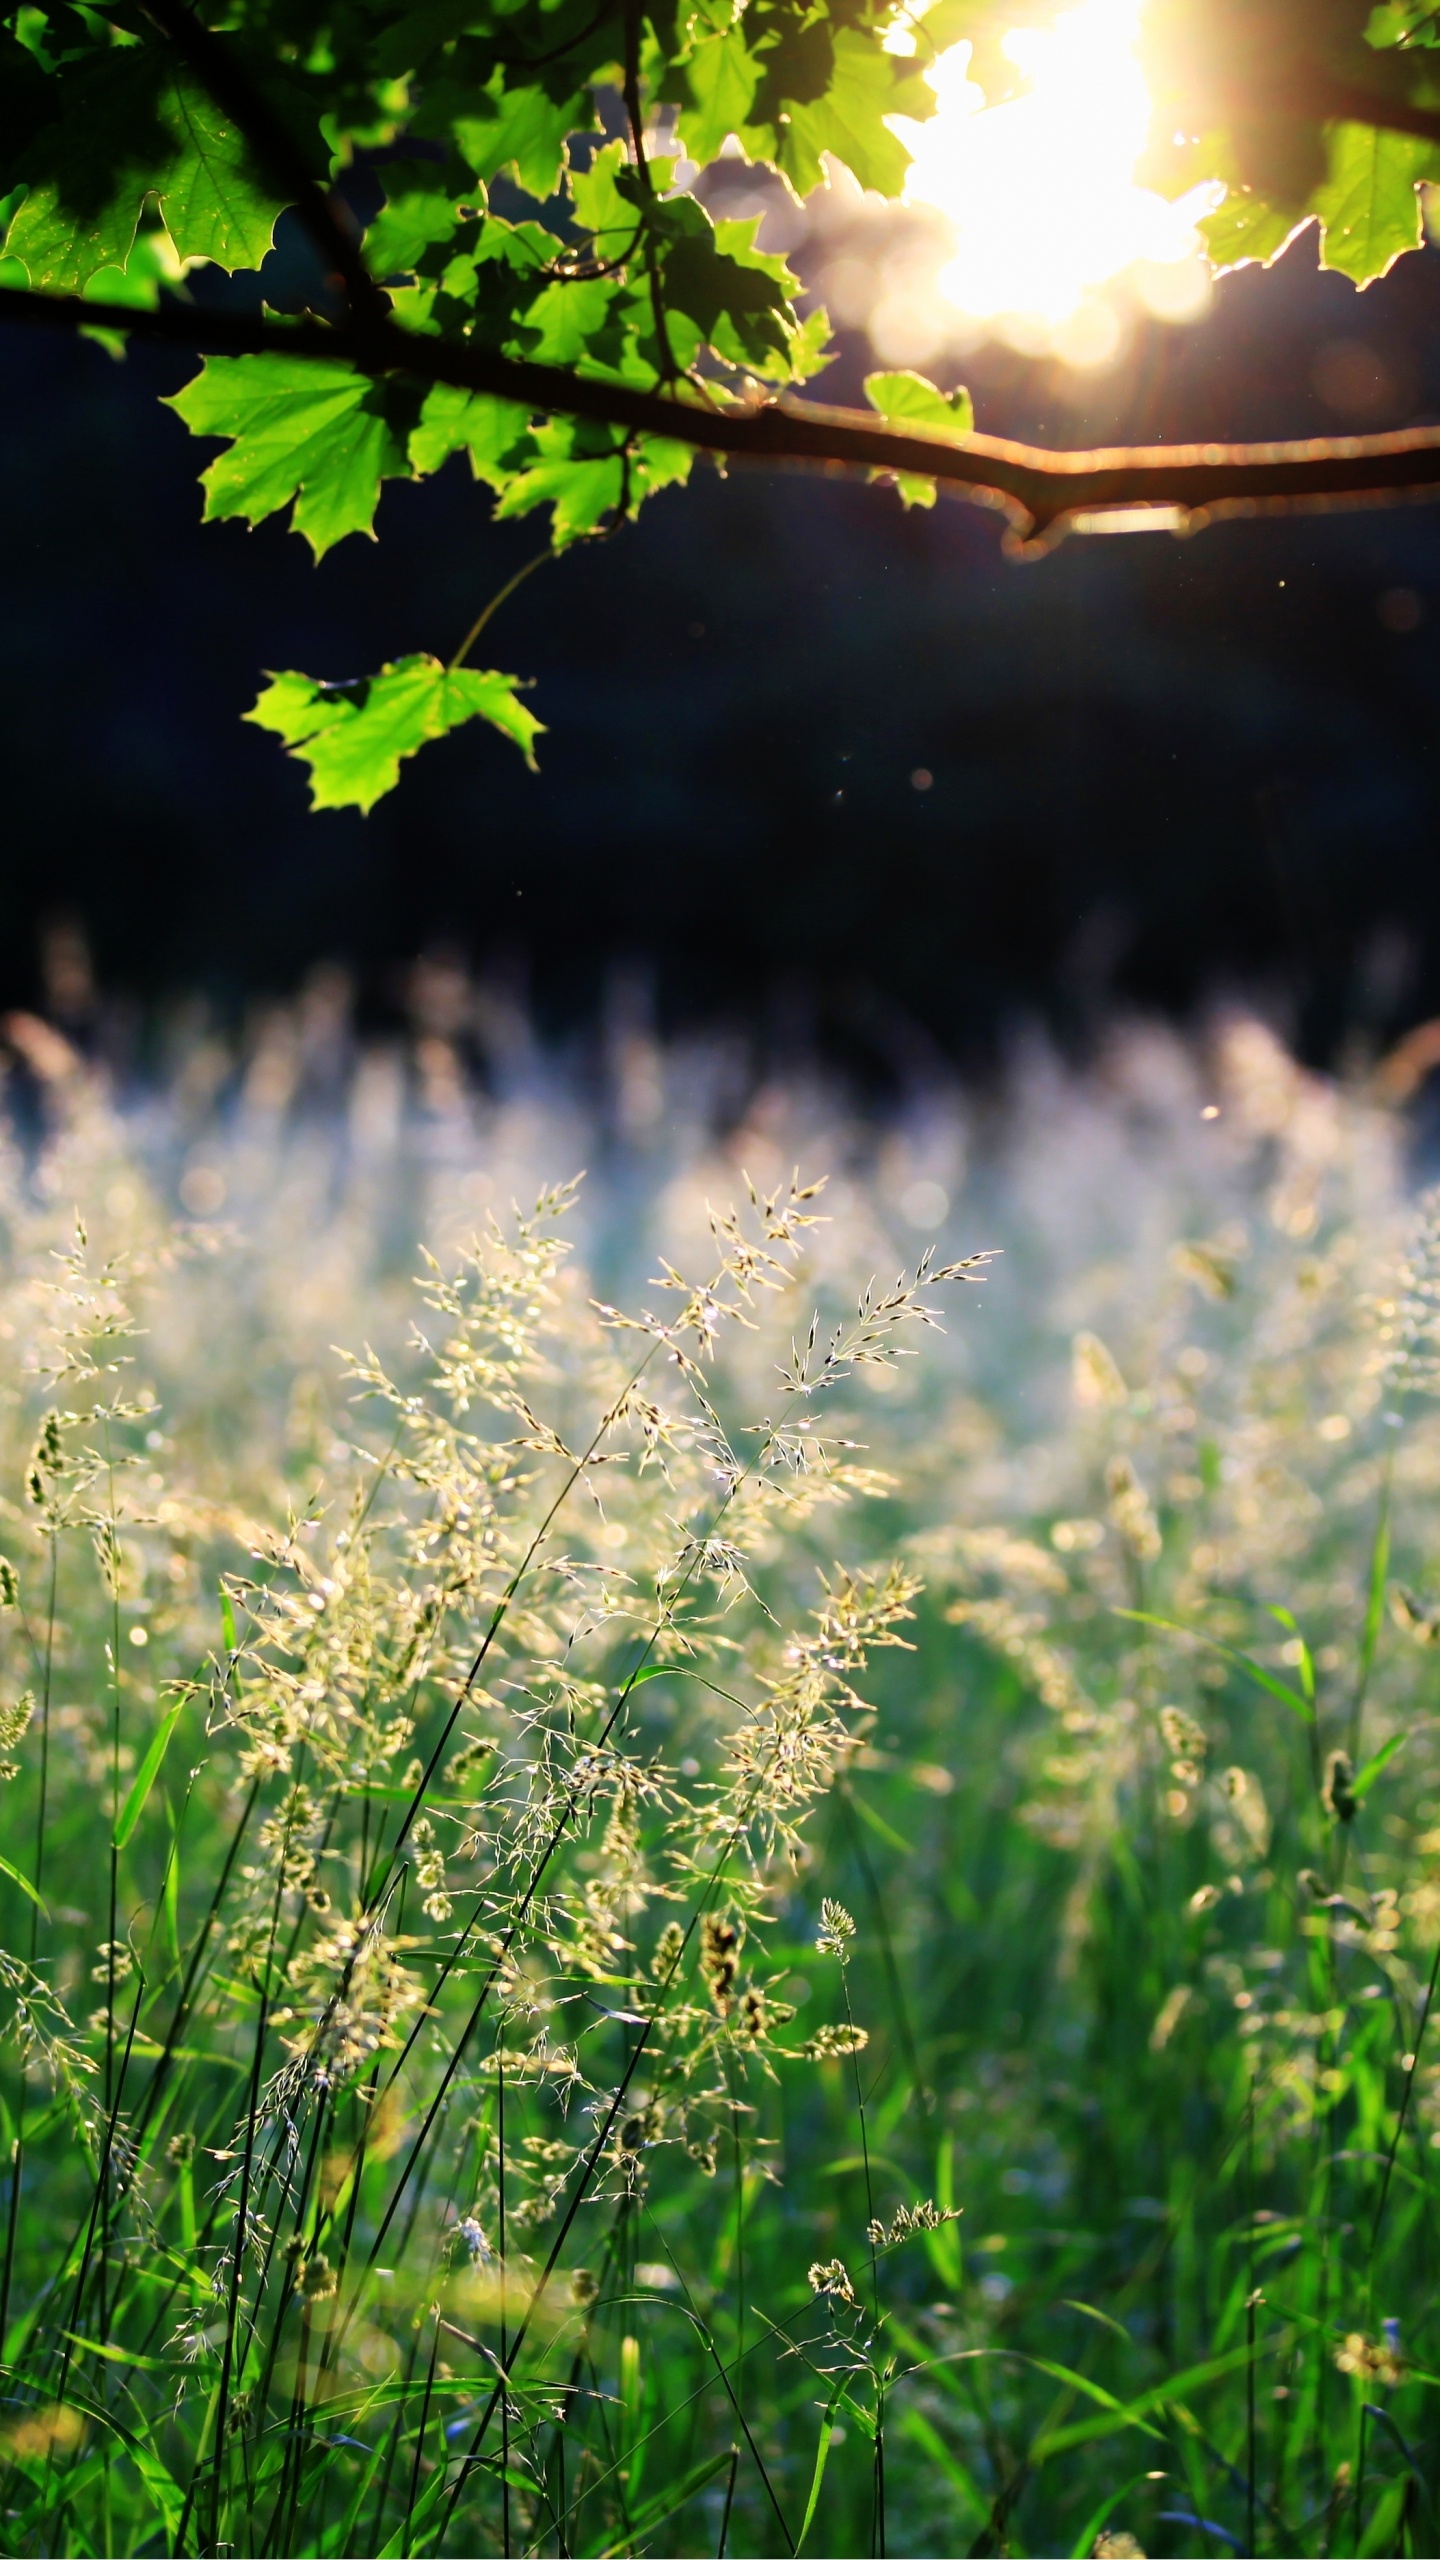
x=1041, y=193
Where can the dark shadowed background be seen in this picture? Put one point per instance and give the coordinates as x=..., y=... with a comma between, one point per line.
x=845, y=774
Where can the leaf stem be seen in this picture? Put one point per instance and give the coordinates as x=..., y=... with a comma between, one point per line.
x=502, y=597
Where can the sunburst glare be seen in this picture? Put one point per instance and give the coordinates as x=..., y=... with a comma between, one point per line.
x=1041, y=191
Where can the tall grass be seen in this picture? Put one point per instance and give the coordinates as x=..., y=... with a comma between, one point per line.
x=659, y=1908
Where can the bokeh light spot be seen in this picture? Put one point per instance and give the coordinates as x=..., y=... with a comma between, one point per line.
x=1041, y=192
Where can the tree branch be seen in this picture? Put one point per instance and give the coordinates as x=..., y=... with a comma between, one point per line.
x=1041, y=493
x=1347, y=102
x=1300, y=90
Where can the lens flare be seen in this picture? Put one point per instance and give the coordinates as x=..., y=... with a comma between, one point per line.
x=1041, y=192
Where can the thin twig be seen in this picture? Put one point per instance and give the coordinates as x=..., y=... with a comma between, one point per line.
x=650, y=244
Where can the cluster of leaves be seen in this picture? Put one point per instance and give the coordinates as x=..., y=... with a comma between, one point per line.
x=1291, y=109
x=109, y=144
x=1326, y=114
x=530, y=153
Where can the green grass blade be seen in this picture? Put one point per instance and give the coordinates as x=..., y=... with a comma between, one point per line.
x=1294, y=1699
x=1378, y=1762
x=146, y=1775
x=817, y=2476
x=23, y=1882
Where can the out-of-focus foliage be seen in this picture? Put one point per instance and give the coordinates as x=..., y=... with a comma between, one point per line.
x=1305, y=113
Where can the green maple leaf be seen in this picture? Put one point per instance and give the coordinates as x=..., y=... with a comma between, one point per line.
x=908, y=400
x=810, y=348
x=312, y=431
x=355, y=737
x=717, y=288
x=581, y=493
x=1407, y=22
x=845, y=115
x=507, y=269
x=129, y=128
x=569, y=323
x=720, y=81
x=584, y=473
x=738, y=296
x=1246, y=230
x=1367, y=202
x=520, y=130
x=212, y=202
x=419, y=213
x=1367, y=206
x=603, y=205
x=494, y=433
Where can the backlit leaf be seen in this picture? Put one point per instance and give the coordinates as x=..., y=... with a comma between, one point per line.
x=1368, y=205
x=494, y=433
x=737, y=295
x=523, y=131
x=419, y=211
x=130, y=127
x=721, y=78
x=315, y=432
x=585, y=473
x=848, y=118
x=354, y=737
x=602, y=205
x=1247, y=231
x=908, y=400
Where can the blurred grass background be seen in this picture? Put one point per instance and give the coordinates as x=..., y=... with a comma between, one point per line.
x=1144, y=1967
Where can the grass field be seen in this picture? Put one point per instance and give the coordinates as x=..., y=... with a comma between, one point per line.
x=634, y=1923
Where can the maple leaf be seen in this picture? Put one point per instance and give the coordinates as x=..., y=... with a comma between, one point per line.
x=318, y=433
x=907, y=400
x=131, y=127
x=354, y=737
